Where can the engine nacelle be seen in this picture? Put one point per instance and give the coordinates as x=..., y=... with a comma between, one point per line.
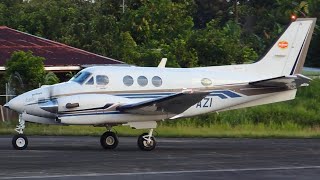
x=88, y=102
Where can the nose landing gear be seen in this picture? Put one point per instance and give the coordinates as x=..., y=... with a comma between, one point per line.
x=20, y=141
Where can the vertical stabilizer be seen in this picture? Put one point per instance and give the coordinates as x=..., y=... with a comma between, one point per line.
x=288, y=54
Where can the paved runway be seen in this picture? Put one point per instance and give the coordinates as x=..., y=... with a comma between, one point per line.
x=174, y=158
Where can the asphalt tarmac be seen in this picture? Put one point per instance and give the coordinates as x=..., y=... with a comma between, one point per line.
x=174, y=158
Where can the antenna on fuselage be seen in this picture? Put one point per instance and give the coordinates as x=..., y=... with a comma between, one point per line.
x=163, y=63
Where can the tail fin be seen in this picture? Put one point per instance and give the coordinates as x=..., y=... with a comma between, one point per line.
x=288, y=54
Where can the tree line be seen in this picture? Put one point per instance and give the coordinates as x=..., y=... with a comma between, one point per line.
x=189, y=33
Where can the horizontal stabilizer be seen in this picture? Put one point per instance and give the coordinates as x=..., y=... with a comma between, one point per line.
x=172, y=104
x=288, y=82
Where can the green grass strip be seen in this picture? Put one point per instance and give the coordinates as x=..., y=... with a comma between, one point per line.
x=286, y=130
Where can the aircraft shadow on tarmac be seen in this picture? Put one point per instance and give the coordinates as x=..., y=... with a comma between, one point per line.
x=98, y=149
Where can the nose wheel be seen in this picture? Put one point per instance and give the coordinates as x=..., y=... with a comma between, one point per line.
x=109, y=140
x=20, y=141
x=146, y=142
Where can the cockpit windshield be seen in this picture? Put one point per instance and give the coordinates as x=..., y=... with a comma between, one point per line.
x=81, y=77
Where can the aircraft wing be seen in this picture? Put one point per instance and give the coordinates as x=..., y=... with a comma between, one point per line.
x=289, y=82
x=172, y=104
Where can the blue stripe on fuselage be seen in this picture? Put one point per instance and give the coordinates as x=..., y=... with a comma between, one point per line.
x=223, y=94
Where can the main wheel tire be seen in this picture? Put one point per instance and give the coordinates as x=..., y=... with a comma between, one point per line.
x=20, y=142
x=143, y=143
x=109, y=140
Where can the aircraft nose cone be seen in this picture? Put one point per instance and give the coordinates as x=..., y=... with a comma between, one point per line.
x=7, y=105
x=15, y=104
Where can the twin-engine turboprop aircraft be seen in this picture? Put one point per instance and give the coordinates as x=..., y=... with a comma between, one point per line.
x=140, y=96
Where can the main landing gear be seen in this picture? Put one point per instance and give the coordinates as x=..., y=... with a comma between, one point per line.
x=20, y=141
x=109, y=140
x=146, y=141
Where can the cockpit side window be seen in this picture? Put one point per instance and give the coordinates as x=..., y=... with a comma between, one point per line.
x=90, y=82
x=81, y=77
x=102, y=80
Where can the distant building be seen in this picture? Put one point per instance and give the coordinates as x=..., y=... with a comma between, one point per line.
x=59, y=57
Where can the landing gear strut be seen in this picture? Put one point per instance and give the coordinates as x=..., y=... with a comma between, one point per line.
x=146, y=141
x=109, y=140
x=20, y=141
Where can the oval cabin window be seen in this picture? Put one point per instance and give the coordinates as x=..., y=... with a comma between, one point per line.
x=142, y=81
x=127, y=80
x=156, y=81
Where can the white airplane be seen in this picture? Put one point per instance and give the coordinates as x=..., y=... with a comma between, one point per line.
x=141, y=96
